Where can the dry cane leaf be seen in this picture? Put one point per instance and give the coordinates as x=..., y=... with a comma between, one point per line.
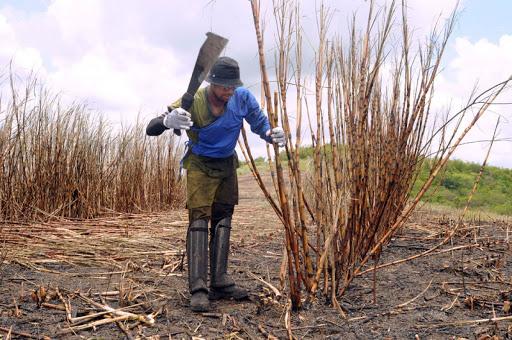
x=470, y=302
x=42, y=293
x=39, y=295
x=17, y=311
x=506, y=306
x=488, y=337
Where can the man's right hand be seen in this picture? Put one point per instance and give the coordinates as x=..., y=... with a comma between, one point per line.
x=178, y=119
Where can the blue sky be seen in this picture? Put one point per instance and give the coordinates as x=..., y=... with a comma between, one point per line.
x=485, y=19
x=27, y=5
x=129, y=59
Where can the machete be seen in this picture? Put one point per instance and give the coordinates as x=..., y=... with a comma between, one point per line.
x=208, y=54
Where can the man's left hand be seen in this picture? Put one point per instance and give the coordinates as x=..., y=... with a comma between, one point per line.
x=277, y=135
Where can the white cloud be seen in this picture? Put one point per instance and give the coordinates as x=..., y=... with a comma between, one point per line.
x=23, y=58
x=480, y=64
x=487, y=60
x=78, y=21
x=129, y=76
x=6, y=34
x=130, y=57
x=424, y=15
x=88, y=55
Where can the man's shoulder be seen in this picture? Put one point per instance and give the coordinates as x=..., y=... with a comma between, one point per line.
x=200, y=93
x=244, y=96
x=199, y=110
x=200, y=99
x=246, y=99
x=242, y=91
x=199, y=103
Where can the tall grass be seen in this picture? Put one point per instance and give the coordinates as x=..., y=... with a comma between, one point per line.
x=64, y=161
x=371, y=128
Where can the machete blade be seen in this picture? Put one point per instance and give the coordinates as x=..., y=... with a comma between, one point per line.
x=208, y=54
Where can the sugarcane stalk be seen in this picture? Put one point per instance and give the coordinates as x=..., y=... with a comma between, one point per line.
x=292, y=251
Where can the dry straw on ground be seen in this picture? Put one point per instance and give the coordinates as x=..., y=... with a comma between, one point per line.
x=117, y=252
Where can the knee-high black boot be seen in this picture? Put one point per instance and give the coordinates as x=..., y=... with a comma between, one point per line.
x=197, y=255
x=222, y=285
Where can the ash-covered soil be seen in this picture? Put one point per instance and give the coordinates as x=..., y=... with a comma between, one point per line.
x=56, y=278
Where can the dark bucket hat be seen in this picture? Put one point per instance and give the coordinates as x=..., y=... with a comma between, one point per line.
x=225, y=72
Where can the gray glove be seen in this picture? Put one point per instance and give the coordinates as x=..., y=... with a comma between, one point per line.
x=178, y=119
x=277, y=135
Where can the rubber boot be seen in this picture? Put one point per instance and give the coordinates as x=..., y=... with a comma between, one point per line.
x=197, y=256
x=222, y=285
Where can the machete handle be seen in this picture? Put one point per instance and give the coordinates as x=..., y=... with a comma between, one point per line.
x=186, y=103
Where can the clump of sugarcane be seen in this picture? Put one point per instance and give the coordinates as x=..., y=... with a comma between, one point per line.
x=369, y=140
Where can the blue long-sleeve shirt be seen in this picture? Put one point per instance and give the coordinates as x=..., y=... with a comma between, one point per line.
x=216, y=137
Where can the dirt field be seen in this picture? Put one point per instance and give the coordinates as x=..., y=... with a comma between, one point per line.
x=55, y=278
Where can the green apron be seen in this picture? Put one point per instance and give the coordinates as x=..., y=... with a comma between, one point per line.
x=211, y=180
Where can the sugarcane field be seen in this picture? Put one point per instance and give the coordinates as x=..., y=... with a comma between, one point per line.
x=277, y=169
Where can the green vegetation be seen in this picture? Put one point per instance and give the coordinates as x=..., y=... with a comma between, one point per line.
x=452, y=187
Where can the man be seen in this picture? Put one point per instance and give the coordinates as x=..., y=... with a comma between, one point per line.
x=213, y=126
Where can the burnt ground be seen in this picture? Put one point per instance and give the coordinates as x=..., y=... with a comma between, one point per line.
x=54, y=276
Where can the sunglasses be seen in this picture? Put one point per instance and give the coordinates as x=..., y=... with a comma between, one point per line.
x=226, y=88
